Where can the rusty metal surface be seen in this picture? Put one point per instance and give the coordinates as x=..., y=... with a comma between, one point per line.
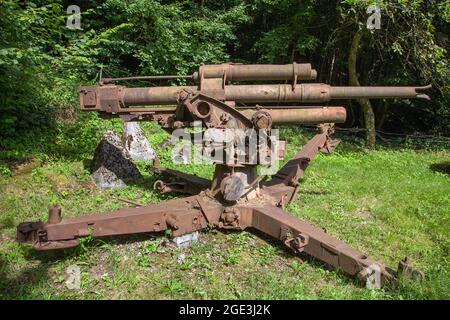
x=215, y=81
x=310, y=115
x=305, y=238
x=180, y=182
x=153, y=95
x=182, y=215
x=271, y=93
x=379, y=92
x=237, y=198
x=242, y=72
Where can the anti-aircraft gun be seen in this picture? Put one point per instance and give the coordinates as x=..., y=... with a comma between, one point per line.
x=239, y=119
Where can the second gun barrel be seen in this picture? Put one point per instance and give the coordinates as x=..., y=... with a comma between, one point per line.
x=273, y=93
x=378, y=92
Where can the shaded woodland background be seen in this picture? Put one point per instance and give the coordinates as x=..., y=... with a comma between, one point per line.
x=42, y=62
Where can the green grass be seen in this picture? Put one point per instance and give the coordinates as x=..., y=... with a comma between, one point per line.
x=389, y=203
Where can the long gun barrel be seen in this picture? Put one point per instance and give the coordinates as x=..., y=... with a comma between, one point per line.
x=271, y=93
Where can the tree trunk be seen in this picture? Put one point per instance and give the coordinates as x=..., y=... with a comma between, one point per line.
x=381, y=115
x=369, y=117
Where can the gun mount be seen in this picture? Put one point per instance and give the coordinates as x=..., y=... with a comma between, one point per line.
x=239, y=121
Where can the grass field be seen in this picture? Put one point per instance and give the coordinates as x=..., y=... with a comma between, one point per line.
x=390, y=203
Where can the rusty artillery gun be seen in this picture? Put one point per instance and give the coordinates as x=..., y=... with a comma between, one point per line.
x=237, y=198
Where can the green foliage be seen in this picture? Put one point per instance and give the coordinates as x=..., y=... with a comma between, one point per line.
x=42, y=62
x=289, y=35
x=157, y=38
x=22, y=68
x=408, y=34
x=411, y=47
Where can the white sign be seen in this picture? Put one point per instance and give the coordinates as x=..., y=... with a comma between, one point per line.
x=74, y=18
x=374, y=20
